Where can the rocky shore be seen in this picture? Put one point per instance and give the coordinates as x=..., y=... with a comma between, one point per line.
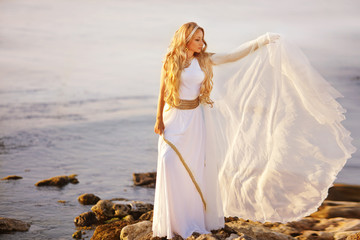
x=338, y=218
x=133, y=222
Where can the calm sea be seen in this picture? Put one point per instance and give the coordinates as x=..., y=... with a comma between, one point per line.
x=79, y=83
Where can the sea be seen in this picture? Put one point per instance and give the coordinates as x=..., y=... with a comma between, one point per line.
x=79, y=82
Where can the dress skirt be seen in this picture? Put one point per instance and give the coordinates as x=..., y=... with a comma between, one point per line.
x=178, y=207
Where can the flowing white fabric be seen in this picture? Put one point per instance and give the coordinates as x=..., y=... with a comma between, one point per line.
x=268, y=150
x=274, y=136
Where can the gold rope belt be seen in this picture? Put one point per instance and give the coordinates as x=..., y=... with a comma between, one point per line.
x=188, y=104
x=187, y=169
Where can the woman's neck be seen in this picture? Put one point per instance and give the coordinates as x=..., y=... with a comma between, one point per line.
x=189, y=54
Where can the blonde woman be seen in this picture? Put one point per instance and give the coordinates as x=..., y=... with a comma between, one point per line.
x=229, y=157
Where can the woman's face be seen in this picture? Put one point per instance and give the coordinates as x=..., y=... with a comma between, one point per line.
x=196, y=43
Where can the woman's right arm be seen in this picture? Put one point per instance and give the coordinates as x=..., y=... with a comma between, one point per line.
x=159, y=125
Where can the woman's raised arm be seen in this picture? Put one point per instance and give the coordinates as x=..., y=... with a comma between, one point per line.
x=244, y=49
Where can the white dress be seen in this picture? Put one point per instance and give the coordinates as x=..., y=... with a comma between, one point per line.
x=268, y=150
x=177, y=206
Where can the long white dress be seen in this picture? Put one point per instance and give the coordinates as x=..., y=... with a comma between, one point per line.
x=268, y=150
x=177, y=206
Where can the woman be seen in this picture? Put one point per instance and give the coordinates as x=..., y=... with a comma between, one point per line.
x=233, y=159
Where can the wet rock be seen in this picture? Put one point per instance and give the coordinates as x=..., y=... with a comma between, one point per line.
x=85, y=219
x=109, y=231
x=11, y=177
x=88, y=199
x=77, y=235
x=106, y=209
x=136, y=231
x=73, y=179
x=8, y=225
x=344, y=192
x=145, y=179
x=58, y=181
x=333, y=209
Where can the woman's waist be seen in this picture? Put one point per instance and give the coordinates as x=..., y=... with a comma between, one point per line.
x=187, y=104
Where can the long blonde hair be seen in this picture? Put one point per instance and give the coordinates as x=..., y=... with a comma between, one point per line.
x=174, y=64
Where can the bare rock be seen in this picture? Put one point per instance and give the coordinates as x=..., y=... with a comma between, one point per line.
x=11, y=177
x=333, y=209
x=145, y=179
x=8, y=225
x=58, y=181
x=88, y=199
x=110, y=231
x=106, y=209
x=344, y=192
x=136, y=231
x=85, y=219
x=256, y=231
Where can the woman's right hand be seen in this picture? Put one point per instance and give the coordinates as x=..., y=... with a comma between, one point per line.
x=159, y=127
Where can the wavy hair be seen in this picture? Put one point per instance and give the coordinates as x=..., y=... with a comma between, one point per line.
x=174, y=64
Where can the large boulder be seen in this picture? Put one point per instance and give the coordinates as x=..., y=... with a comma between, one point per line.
x=58, y=181
x=88, y=199
x=136, y=231
x=145, y=179
x=8, y=225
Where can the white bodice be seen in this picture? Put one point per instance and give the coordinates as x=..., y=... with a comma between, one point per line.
x=191, y=79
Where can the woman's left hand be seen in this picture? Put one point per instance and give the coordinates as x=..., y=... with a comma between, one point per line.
x=267, y=38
